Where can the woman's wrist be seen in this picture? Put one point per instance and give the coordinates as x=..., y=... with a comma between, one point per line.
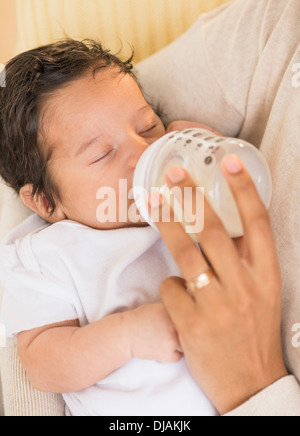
x=282, y=398
x=230, y=400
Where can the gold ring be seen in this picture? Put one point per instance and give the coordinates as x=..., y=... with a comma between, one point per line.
x=201, y=281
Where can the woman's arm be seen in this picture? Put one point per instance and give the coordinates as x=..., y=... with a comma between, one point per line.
x=63, y=357
x=230, y=331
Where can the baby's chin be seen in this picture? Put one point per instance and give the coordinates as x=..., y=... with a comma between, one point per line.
x=118, y=226
x=121, y=225
x=142, y=224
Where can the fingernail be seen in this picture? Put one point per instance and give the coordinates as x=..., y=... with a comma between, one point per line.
x=176, y=175
x=155, y=200
x=233, y=165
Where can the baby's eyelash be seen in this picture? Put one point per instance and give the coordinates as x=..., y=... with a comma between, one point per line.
x=101, y=158
x=149, y=129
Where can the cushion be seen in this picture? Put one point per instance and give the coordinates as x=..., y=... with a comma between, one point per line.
x=12, y=210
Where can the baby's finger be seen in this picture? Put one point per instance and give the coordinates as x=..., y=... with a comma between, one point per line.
x=225, y=262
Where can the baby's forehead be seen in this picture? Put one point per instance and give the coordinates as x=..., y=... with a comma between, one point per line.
x=78, y=105
x=102, y=87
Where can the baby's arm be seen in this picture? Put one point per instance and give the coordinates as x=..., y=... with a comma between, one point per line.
x=65, y=358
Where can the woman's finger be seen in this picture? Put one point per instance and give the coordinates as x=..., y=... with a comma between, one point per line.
x=184, y=251
x=178, y=302
x=218, y=247
x=255, y=218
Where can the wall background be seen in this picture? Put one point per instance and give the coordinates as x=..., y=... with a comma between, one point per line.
x=8, y=30
x=147, y=24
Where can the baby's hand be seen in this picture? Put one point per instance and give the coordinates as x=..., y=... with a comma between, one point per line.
x=152, y=334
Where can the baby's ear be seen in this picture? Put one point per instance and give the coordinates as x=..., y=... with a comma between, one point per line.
x=39, y=204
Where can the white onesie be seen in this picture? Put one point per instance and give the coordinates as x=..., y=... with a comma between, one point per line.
x=67, y=271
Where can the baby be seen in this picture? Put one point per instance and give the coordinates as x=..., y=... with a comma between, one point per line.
x=83, y=295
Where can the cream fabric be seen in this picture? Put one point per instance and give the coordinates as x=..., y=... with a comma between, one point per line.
x=273, y=401
x=12, y=212
x=20, y=399
x=148, y=25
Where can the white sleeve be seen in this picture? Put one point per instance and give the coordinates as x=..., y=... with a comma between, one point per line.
x=280, y=399
x=32, y=298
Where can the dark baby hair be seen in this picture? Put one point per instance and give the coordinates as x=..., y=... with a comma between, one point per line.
x=31, y=78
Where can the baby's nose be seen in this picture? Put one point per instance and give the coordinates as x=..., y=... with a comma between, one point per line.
x=136, y=152
x=133, y=161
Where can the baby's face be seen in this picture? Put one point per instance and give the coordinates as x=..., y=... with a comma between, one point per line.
x=98, y=128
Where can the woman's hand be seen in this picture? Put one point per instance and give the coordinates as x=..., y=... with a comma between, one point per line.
x=230, y=330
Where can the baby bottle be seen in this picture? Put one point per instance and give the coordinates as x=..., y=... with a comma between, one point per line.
x=201, y=153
